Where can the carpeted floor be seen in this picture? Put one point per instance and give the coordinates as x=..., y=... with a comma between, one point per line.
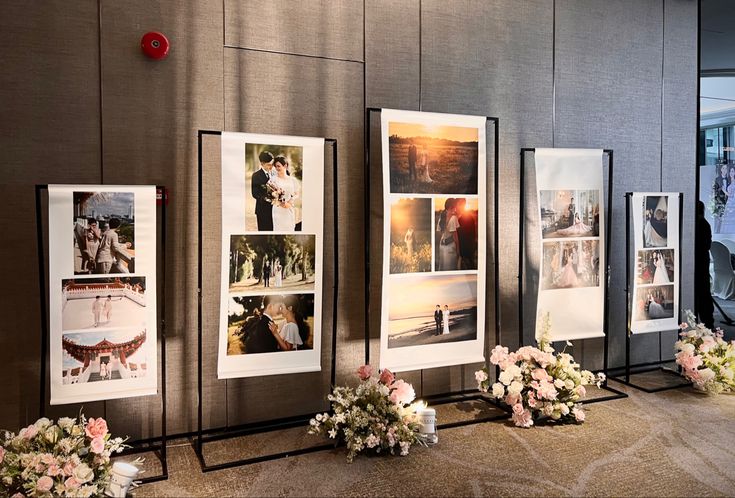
x=672, y=443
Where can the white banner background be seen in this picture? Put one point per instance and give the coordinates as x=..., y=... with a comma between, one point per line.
x=236, y=201
x=448, y=353
x=576, y=313
x=638, y=199
x=61, y=266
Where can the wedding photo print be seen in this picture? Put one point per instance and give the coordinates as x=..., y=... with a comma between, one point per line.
x=569, y=213
x=104, y=232
x=410, y=235
x=433, y=159
x=103, y=303
x=432, y=309
x=653, y=303
x=571, y=264
x=655, y=266
x=261, y=262
x=273, y=176
x=270, y=323
x=655, y=211
x=455, y=233
x=103, y=356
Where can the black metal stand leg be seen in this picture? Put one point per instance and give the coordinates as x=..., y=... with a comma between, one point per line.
x=727, y=320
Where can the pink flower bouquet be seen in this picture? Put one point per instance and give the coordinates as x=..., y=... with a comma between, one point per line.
x=705, y=357
x=68, y=458
x=375, y=416
x=538, y=383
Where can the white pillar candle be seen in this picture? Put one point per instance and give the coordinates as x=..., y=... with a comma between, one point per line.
x=427, y=420
x=121, y=476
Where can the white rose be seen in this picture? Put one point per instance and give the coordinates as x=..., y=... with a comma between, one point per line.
x=558, y=383
x=66, y=423
x=506, y=377
x=42, y=423
x=564, y=409
x=83, y=473
x=51, y=435
x=706, y=375
x=569, y=384
x=515, y=387
x=498, y=390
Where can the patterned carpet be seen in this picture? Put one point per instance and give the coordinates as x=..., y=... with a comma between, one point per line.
x=672, y=443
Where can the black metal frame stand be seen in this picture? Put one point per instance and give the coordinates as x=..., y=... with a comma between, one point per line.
x=157, y=445
x=655, y=365
x=522, y=258
x=456, y=396
x=205, y=436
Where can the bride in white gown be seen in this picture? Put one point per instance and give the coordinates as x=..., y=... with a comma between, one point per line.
x=655, y=310
x=422, y=172
x=661, y=276
x=578, y=228
x=284, y=214
x=445, y=320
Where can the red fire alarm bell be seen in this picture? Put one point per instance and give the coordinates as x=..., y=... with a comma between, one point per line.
x=155, y=45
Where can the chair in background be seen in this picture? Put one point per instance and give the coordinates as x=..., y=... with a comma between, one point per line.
x=723, y=278
x=730, y=244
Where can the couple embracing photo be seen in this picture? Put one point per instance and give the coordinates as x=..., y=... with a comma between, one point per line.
x=276, y=191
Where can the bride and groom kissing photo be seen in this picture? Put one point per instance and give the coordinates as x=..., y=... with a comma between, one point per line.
x=270, y=324
x=274, y=174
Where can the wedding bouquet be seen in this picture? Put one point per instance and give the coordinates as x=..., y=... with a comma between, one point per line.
x=537, y=383
x=68, y=458
x=374, y=416
x=705, y=358
x=275, y=194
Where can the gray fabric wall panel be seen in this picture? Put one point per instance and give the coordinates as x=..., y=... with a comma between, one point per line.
x=489, y=57
x=322, y=28
x=608, y=95
x=494, y=58
x=49, y=104
x=152, y=111
x=392, y=53
x=327, y=102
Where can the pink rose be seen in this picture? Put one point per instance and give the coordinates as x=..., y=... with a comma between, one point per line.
x=98, y=445
x=512, y=399
x=517, y=409
x=387, y=377
x=96, y=427
x=29, y=432
x=683, y=325
x=578, y=414
x=365, y=372
x=71, y=483
x=498, y=354
x=2, y=454
x=581, y=391
x=44, y=484
x=53, y=470
x=522, y=419
x=402, y=392
x=540, y=374
x=68, y=468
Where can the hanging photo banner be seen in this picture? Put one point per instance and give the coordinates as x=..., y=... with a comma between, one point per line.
x=102, y=292
x=655, y=262
x=272, y=233
x=572, y=223
x=434, y=181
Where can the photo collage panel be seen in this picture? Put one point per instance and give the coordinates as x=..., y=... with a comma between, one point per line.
x=102, y=292
x=655, y=262
x=570, y=229
x=433, y=234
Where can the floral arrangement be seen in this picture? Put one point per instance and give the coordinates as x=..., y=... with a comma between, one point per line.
x=705, y=357
x=68, y=458
x=375, y=415
x=276, y=194
x=537, y=383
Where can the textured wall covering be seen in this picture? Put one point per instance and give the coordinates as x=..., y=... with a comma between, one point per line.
x=81, y=104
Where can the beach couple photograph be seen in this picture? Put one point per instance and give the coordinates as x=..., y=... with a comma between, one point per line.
x=655, y=266
x=432, y=309
x=653, y=303
x=270, y=323
x=569, y=264
x=272, y=262
x=655, y=216
x=104, y=232
x=273, y=174
x=433, y=159
x=569, y=213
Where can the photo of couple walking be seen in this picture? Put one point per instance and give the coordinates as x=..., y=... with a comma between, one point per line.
x=103, y=232
x=269, y=324
x=273, y=173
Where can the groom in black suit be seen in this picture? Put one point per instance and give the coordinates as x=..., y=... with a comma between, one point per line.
x=263, y=208
x=261, y=340
x=267, y=274
x=438, y=319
